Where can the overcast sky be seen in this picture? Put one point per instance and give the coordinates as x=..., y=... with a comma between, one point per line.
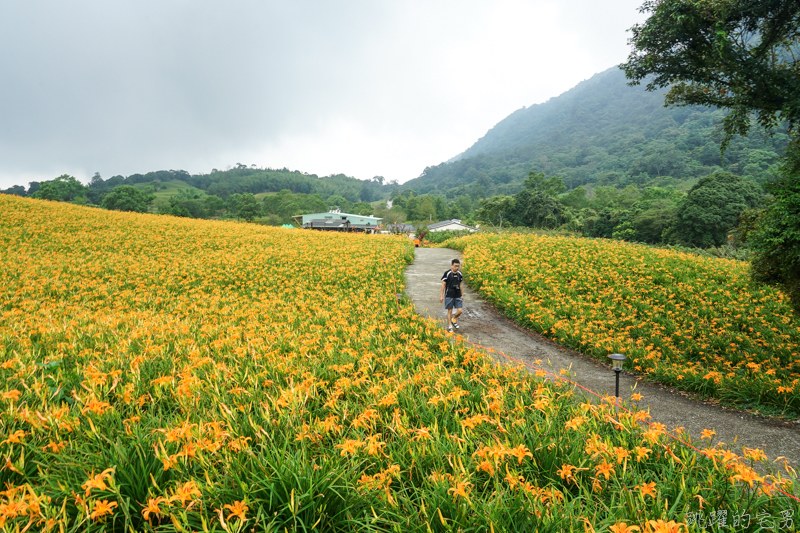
x=364, y=88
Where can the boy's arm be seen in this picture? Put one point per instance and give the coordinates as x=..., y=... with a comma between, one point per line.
x=441, y=294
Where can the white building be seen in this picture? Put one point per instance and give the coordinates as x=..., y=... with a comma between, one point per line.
x=451, y=225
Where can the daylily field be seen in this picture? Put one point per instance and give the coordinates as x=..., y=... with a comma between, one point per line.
x=695, y=323
x=166, y=374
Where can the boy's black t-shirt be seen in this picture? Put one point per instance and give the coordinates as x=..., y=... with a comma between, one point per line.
x=452, y=288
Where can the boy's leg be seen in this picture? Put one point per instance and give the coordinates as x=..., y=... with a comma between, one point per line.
x=458, y=311
x=458, y=307
x=449, y=314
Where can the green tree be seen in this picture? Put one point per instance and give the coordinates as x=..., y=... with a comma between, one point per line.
x=654, y=213
x=602, y=223
x=161, y=206
x=736, y=55
x=624, y=231
x=64, y=188
x=454, y=213
x=248, y=207
x=441, y=208
x=340, y=202
x=281, y=207
x=409, y=206
x=576, y=198
x=178, y=211
x=313, y=203
x=287, y=204
x=426, y=209
x=552, y=186
x=775, y=241
x=213, y=204
x=604, y=197
x=651, y=223
x=17, y=190
x=368, y=193
x=628, y=196
x=464, y=205
x=712, y=208
x=128, y=198
x=536, y=209
x=495, y=210
x=478, y=189
x=232, y=204
x=189, y=201
x=390, y=216
x=362, y=208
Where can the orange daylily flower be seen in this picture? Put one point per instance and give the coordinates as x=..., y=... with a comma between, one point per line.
x=566, y=471
x=660, y=526
x=152, y=507
x=97, y=482
x=96, y=406
x=747, y=475
x=15, y=438
x=707, y=434
x=461, y=489
x=604, y=469
x=12, y=395
x=622, y=527
x=520, y=452
x=186, y=493
x=237, y=509
x=647, y=489
x=349, y=447
x=102, y=508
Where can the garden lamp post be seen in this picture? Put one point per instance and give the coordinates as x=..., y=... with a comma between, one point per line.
x=616, y=365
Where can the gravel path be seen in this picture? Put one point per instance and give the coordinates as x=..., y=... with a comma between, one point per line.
x=481, y=323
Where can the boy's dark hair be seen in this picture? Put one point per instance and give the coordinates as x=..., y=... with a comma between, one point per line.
x=455, y=261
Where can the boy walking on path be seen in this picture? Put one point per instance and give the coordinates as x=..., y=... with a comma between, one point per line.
x=451, y=294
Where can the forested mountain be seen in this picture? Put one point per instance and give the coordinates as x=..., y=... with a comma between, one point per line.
x=601, y=132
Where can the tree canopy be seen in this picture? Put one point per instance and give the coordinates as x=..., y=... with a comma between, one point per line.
x=775, y=241
x=64, y=188
x=712, y=208
x=248, y=208
x=128, y=198
x=736, y=55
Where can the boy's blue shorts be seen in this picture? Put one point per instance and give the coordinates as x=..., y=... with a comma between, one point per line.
x=453, y=303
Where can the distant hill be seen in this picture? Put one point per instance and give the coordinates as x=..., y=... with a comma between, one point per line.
x=237, y=180
x=166, y=189
x=600, y=132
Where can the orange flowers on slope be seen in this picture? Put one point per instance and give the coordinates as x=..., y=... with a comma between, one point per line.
x=692, y=322
x=234, y=354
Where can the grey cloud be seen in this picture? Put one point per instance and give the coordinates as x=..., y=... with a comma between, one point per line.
x=130, y=84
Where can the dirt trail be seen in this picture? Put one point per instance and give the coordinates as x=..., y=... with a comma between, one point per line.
x=481, y=323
